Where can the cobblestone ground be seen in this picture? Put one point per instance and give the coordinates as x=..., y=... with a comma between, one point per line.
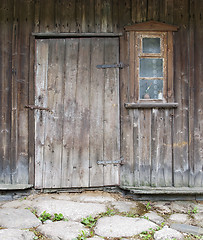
x=98, y=215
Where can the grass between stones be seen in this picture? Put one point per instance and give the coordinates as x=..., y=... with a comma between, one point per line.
x=90, y=222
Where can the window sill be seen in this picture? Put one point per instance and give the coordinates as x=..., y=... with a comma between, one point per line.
x=150, y=105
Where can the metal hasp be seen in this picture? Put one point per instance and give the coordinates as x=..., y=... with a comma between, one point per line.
x=119, y=161
x=118, y=65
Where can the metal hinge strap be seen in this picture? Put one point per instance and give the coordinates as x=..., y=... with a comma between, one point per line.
x=34, y=107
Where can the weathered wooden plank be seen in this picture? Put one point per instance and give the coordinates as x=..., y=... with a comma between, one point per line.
x=198, y=89
x=41, y=78
x=124, y=13
x=106, y=16
x=78, y=15
x=136, y=160
x=84, y=15
x=145, y=146
x=81, y=137
x=126, y=176
x=57, y=18
x=14, y=93
x=67, y=15
x=166, y=11
x=180, y=138
x=31, y=118
x=191, y=50
x=47, y=16
x=25, y=15
x=161, y=148
x=91, y=15
x=115, y=15
x=37, y=16
x=153, y=10
x=97, y=15
x=6, y=9
x=76, y=35
x=96, y=113
x=139, y=11
x=150, y=105
x=111, y=112
x=54, y=124
x=71, y=64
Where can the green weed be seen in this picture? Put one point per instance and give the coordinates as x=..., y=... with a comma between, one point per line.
x=58, y=217
x=82, y=236
x=148, y=207
x=89, y=221
x=47, y=216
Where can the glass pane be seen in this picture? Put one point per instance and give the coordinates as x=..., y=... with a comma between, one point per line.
x=151, y=89
x=151, y=45
x=151, y=67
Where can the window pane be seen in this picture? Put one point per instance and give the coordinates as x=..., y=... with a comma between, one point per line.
x=151, y=45
x=151, y=67
x=151, y=89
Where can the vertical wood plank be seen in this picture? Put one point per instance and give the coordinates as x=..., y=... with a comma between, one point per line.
x=139, y=11
x=153, y=12
x=97, y=15
x=106, y=16
x=145, y=146
x=126, y=176
x=198, y=89
x=96, y=113
x=192, y=91
x=91, y=13
x=37, y=16
x=136, y=160
x=161, y=148
x=23, y=26
x=125, y=13
x=78, y=15
x=54, y=124
x=14, y=93
x=71, y=72
x=180, y=138
x=67, y=15
x=47, y=16
x=6, y=15
x=166, y=11
x=115, y=15
x=31, y=118
x=41, y=78
x=111, y=113
x=81, y=137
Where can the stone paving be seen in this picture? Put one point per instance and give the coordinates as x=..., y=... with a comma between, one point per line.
x=98, y=215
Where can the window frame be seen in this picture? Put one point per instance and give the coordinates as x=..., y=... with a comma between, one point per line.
x=161, y=55
x=135, y=33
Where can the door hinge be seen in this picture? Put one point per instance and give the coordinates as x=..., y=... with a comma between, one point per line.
x=34, y=107
x=119, y=161
x=118, y=65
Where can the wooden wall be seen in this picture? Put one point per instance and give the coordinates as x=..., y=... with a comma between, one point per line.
x=183, y=128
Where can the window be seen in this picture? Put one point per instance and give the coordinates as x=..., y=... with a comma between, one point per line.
x=151, y=61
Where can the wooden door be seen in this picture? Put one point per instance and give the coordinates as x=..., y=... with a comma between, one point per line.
x=79, y=124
